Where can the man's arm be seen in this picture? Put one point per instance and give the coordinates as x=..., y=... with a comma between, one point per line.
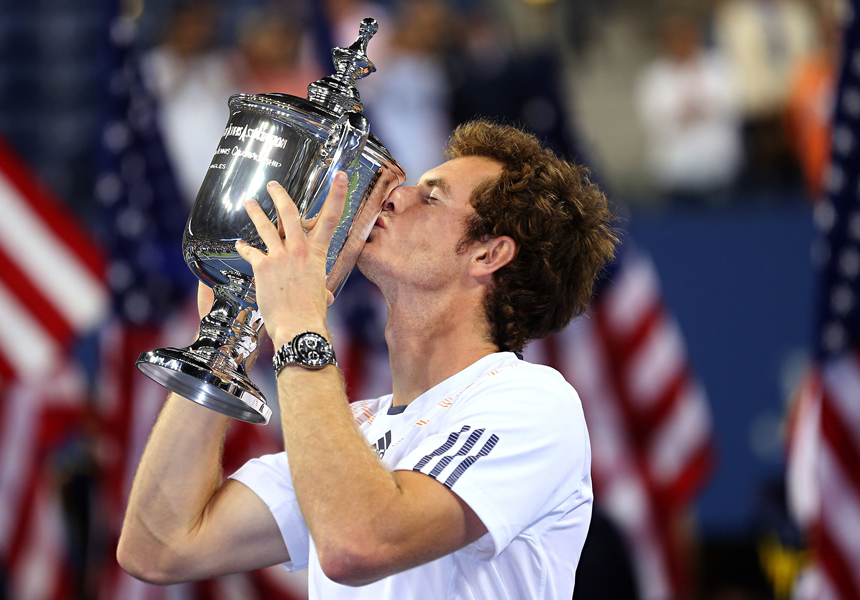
x=182, y=523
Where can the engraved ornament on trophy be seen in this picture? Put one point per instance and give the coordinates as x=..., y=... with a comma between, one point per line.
x=300, y=143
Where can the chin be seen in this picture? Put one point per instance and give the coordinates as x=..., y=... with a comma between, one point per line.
x=370, y=265
x=366, y=263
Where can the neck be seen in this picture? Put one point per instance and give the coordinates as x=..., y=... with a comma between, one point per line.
x=431, y=339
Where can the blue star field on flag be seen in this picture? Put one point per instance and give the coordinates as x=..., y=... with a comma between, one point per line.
x=837, y=252
x=144, y=214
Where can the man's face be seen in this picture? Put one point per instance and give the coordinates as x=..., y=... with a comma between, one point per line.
x=415, y=238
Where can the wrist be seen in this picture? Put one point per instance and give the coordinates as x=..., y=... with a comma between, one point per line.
x=285, y=332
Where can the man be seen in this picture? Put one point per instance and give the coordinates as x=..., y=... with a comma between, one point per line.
x=472, y=480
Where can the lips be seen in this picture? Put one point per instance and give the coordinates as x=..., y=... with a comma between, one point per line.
x=380, y=224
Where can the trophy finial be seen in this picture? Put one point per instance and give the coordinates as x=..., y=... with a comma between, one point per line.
x=366, y=30
x=352, y=63
x=338, y=91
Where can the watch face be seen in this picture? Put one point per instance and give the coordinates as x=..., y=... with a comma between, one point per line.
x=312, y=350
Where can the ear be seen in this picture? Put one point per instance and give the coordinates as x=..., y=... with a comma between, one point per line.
x=490, y=256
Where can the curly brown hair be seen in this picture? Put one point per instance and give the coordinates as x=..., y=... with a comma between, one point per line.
x=560, y=221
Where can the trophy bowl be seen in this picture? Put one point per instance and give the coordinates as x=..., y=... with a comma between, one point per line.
x=300, y=143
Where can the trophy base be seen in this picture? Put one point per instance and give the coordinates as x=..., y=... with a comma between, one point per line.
x=228, y=392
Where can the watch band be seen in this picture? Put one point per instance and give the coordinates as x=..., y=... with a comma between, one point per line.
x=309, y=350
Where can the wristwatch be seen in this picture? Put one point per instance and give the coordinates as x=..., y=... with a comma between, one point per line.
x=308, y=349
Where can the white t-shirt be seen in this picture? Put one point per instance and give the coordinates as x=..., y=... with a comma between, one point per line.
x=509, y=438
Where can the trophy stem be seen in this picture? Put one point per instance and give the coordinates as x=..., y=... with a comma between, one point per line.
x=211, y=371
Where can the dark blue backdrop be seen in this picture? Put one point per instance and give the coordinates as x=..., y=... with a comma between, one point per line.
x=740, y=282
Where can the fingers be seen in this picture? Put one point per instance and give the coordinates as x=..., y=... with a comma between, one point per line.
x=290, y=225
x=308, y=224
x=332, y=209
x=265, y=228
x=289, y=220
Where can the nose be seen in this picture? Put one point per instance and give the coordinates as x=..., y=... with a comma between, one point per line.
x=398, y=200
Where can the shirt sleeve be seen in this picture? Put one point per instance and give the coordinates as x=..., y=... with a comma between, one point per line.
x=269, y=477
x=513, y=450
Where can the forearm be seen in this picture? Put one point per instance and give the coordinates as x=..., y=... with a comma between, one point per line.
x=178, y=474
x=340, y=484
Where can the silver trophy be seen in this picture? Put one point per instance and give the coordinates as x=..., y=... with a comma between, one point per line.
x=301, y=143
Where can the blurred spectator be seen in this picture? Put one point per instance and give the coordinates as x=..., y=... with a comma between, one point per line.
x=407, y=102
x=275, y=55
x=810, y=106
x=491, y=79
x=688, y=105
x=765, y=40
x=192, y=80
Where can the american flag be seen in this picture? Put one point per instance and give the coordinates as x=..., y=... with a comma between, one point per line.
x=52, y=290
x=824, y=448
x=648, y=417
x=45, y=260
x=153, y=306
x=40, y=425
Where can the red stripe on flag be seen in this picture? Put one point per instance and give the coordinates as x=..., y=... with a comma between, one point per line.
x=838, y=571
x=618, y=355
x=51, y=211
x=56, y=424
x=667, y=502
x=24, y=518
x=648, y=420
x=38, y=305
x=7, y=373
x=840, y=441
x=626, y=345
x=691, y=479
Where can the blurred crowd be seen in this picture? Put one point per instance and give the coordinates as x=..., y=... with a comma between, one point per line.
x=741, y=99
x=732, y=105
x=435, y=68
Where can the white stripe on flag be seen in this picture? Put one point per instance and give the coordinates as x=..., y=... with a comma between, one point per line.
x=682, y=433
x=634, y=292
x=51, y=266
x=657, y=363
x=20, y=419
x=235, y=587
x=24, y=344
x=842, y=379
x=801, y=464
x=840, y=514
x=35, y=574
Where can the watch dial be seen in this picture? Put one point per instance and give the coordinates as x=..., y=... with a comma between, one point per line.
x=313, y=350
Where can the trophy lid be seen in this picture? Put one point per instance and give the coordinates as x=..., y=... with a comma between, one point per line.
x=337, y=92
